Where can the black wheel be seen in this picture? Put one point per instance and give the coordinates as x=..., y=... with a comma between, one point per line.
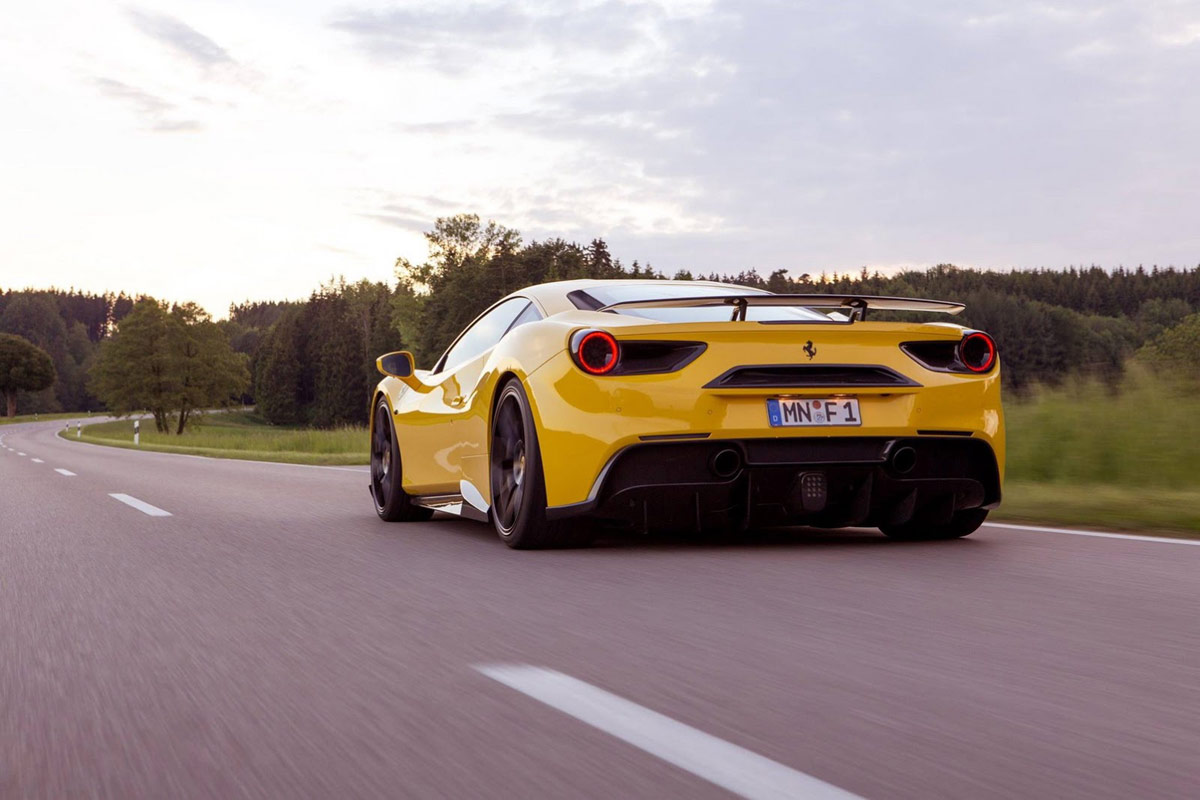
x=392, y=503
x=963, y=523
x=518, y=483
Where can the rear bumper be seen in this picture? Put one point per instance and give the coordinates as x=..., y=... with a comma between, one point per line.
x=716, y=483
x=584, y=422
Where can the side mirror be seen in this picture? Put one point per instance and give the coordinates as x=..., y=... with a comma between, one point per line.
x=397, y=365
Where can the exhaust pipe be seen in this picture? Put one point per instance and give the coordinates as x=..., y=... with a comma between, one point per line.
x=725, y=463
x=903, y=460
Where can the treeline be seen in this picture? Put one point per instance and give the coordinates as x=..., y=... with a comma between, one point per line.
x=312, y=362
x=69, y=326
x=1050, y=324
x=315, y=364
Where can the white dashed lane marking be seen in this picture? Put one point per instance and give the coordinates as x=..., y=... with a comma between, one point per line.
x=37, y=461
x=142, y=506
x=717, y=761
x=66, y=472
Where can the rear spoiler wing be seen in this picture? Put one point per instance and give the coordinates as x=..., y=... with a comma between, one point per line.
x=856, y=304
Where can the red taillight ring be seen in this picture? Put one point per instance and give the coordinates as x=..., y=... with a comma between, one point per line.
x=991, y=351
x=603, y=339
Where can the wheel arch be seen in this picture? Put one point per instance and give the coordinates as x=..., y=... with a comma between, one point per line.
x=502, y=379
x=381, y=391
x=506, y=374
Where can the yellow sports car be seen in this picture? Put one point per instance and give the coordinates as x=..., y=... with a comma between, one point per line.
x=654, y=405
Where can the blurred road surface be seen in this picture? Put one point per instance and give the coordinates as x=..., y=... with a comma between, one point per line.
x=232, y=629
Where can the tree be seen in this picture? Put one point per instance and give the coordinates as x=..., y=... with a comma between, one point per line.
x=279, y=377
x=335, y=349
x=34, y=317
x=134, y=369
x=171, y=362
x=472, y=265
x=23, y=367
x=1176, y=351
x=209, y=371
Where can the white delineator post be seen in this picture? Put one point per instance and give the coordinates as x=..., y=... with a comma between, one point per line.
x=78, y=430
x=137, y=432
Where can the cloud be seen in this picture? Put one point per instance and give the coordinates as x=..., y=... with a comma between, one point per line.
x=157, y=113
x=514, y=81
x=457, y=38
x=180, y=38
x=407, y=212
x=1181, y=36
x=144, y=102
x=404, y=222
x=909, y=131
x=178, y=126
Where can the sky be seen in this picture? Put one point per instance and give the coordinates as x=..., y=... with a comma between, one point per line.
x=224, y=151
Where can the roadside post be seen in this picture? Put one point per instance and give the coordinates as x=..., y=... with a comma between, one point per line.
x=78, y=430
x=137, y=433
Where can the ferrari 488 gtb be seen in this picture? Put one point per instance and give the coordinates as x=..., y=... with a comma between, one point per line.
x=654, y=405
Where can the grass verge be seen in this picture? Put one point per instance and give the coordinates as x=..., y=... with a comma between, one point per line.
x=1114, y=508
x=239, y=435
x=1123, y=458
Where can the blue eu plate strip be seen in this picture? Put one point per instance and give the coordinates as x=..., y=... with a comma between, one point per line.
x=773, y=414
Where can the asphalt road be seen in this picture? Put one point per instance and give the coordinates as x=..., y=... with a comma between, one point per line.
x=272, y=638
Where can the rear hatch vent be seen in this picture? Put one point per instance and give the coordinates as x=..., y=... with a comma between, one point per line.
x=809, y=376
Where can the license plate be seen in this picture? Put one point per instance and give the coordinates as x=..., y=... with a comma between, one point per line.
x=791, y=412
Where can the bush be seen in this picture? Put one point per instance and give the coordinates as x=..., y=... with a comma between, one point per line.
x=1142, y=433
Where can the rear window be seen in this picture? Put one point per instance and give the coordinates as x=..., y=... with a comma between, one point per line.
x=599, y=296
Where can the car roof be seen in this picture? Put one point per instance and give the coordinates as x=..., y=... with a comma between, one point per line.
x=552, y=297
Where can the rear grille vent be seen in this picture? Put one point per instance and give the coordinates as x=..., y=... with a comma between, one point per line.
x=809, y=376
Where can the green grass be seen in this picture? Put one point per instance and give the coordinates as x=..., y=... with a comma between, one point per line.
x=1117, y=508
x=1085, y=454
x=239, y=435
x=1143, y=435
x=76, y=415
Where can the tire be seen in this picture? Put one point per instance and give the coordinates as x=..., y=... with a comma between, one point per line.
x=518, y=483
x=392, y=503
x=963, y=523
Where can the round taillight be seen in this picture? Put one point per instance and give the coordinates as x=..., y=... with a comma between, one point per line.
x=977, y=351
x=596, y=352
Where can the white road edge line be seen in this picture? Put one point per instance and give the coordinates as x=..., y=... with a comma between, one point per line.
x=717, y=761
x=145, y=508
x=1097, y=534
x=66, y=472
